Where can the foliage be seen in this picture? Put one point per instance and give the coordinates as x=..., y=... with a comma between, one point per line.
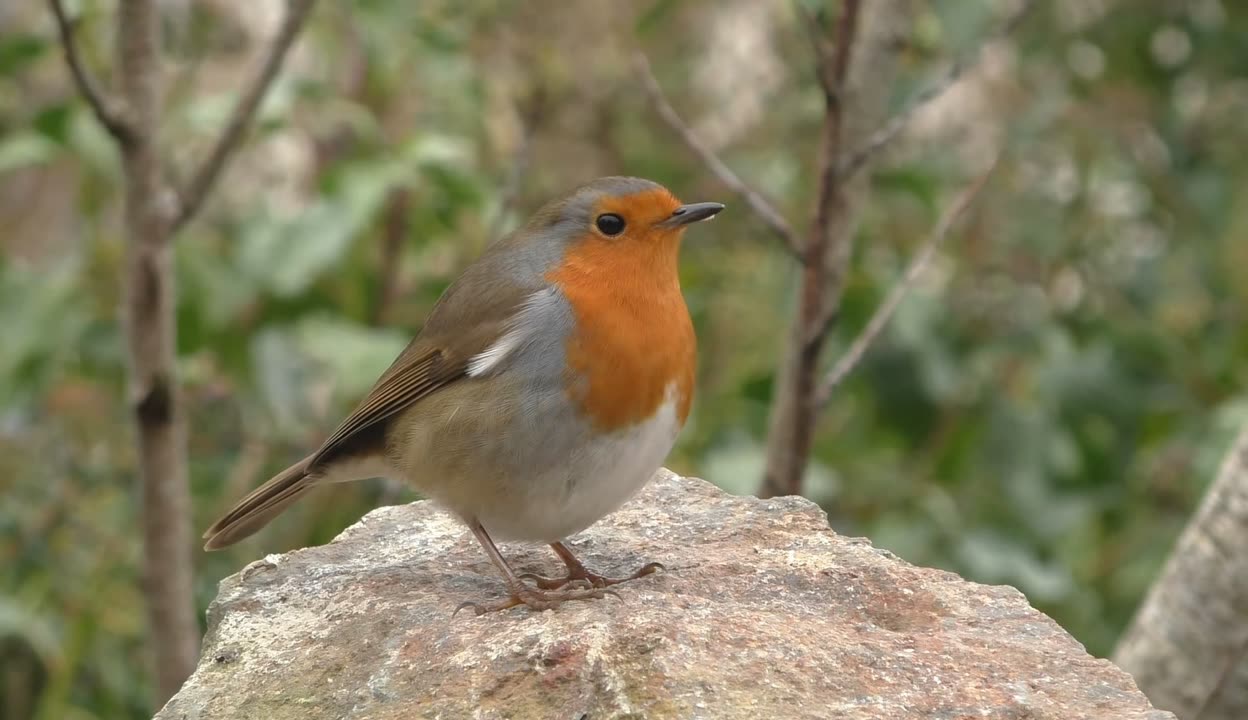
x=1044, y=411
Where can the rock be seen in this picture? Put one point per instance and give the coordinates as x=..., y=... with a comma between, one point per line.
x=763, y=612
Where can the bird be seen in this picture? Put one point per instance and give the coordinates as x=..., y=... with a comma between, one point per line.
x=546, y=387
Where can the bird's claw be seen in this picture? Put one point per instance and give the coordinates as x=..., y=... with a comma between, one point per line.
x=536, y=599
x=649, y=568
x=546, y=583
x=589, y=579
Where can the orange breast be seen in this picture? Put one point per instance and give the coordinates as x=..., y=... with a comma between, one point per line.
x=633, y=337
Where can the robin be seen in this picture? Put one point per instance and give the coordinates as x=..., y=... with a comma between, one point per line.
x=546, y=388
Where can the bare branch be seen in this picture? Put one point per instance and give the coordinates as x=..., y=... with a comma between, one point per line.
x=888, y=132
x=819, y=297
x=885, y=311
x=846, y=29
x=110, y=112
x=760, y=205
x=793, y=416
x=206, y=176
x=393, y=234
x=814, y=33
x=531, y=113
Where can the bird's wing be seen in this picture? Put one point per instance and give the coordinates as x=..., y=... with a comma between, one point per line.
x=443, y=354
x=413, y=376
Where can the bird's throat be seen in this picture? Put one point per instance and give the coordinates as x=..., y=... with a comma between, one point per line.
x=633, y=337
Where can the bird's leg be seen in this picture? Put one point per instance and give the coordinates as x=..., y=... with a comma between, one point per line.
x=577, y=572
x=519, y=593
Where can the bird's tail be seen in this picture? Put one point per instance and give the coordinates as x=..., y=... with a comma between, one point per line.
x=262, y=505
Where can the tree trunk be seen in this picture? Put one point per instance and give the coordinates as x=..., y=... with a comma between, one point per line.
x=1186, y=645
x=151, y=343
x=152, y=214
x=861, y=105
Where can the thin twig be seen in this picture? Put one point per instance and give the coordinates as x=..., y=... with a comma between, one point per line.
x=393, y=234
x=531, y=113
x=206, y=176
x=818, y=298
x=511, y=186
x=889, y=131
x=846, y=30
x=892, y=301
x=814, y=33
x=792, y=429
x=761, y=206
x=109, y=111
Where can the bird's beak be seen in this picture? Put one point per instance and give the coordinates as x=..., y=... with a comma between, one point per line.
x=691, y=213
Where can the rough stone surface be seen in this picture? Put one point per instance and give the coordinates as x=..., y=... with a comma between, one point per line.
x=762, y=613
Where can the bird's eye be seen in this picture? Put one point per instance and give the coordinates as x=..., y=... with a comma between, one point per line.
x=610, y=224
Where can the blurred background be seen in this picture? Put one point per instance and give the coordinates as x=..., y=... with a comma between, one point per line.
x=1044, y=410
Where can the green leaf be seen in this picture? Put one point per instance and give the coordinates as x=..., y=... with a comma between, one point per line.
x=283, y=376
x=54, y=122
x=17, y=50
x=994, y=557
x=43, y=321
x=216, y=288
x=437, y=150
x=353, y=355
x=25, y=149
x=438, y=38
x=91, y=144
x=17, y=621
x=923, y=186
x=206, y=113
x=736, y=466
x=287, y=255
x=655, y=15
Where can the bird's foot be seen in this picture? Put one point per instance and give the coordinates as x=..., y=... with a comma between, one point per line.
x=535, y=599
x=589, y=577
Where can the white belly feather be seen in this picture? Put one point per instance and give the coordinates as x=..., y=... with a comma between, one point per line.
x=594, y=482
